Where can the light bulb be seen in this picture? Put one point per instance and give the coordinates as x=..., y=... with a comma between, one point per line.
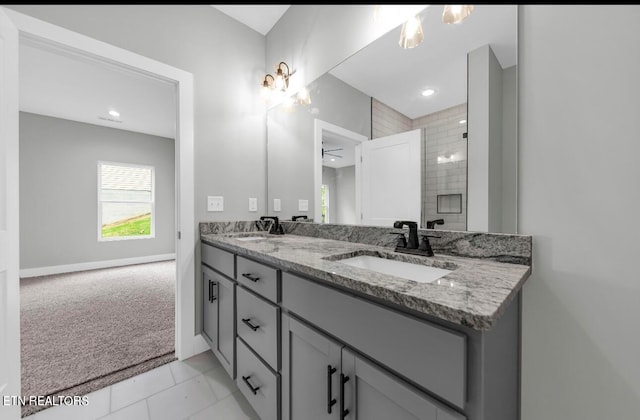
x=456, y=13
x=411, y=35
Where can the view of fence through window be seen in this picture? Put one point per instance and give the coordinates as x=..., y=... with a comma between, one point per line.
x=125, y=200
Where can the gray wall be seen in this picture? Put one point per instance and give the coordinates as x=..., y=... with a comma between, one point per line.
x=484, y=81
x=291, y=139
x=58, y=191
x=345, y=209
x=509, y=149
x=579, y=197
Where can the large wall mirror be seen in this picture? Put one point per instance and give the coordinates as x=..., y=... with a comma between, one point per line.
x=373, y=147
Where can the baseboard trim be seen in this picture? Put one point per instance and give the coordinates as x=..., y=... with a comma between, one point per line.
x=94, y=265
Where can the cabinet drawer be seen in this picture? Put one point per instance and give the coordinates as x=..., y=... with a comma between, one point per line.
x=258, y=383
x=258, y=277
x=218, y=259
x=257, y=324
x=424, y=353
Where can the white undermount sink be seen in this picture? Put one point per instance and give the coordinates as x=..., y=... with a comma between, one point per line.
x=416, y=272
x=250, y=238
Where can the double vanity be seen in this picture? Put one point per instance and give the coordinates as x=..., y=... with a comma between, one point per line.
x=329, y=322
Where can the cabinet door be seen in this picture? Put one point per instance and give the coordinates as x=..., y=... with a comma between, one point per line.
x=310, y=373
x=371, y=393
x=209, y=307
x=226, y=343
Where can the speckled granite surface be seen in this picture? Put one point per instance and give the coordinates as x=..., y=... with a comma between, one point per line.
x=491, y=246
x=234, y=226
x=475, y=294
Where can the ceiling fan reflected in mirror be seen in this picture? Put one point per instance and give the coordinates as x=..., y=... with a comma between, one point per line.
x=327, y=152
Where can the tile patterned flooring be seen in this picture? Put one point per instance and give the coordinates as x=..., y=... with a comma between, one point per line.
x=194, y=389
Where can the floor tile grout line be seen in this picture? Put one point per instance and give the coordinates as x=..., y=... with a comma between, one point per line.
x=151, y=395
x=171, y=370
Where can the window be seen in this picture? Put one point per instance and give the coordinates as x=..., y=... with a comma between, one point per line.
x=126, y=201
x=324, y=197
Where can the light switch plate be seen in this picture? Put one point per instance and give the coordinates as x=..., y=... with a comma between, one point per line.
x=277, y=205
x=303, y=205
x=253, y=204
x=215, y=203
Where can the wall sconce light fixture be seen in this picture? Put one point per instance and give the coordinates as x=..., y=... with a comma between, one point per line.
x=267, y=86
x=411, y=34
x=281, y=82
x=456, y=13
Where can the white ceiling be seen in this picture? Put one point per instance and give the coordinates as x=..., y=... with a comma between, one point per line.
x=258, y=17
x=63, y=84
x=397, y=77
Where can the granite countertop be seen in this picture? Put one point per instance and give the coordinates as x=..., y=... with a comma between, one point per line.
x=475, y=294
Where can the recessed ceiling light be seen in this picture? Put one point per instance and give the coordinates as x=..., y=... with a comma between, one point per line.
x=463, y=121
x=428, y=92
x=114, y=113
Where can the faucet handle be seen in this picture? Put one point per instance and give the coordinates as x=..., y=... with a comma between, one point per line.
x=401, y=241
x=425, y=245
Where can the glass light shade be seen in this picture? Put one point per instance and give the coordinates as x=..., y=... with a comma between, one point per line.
x=304, y=98
x=265, y=92
x=279, y=81
x=267, y=87
x=411, y=35
x=456, y=13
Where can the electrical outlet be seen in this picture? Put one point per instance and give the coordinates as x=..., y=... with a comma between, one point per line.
x=303, y=205
x=277, y=205
x=253, y=204
x=215, y=203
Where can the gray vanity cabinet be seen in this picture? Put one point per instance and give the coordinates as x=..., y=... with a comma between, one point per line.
x=310, y=373
x=323, y=378
x=218, y=322
x=371, y=393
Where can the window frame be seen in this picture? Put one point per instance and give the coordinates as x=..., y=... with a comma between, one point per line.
x=152, y=233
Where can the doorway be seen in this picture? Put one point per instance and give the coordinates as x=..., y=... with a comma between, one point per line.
x=336, y=181
x=186, y=343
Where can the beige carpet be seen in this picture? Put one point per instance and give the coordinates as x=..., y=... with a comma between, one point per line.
x=83, y=331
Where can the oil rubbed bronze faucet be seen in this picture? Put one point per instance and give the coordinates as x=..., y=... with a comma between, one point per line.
x=276, y=227
x=411, y=246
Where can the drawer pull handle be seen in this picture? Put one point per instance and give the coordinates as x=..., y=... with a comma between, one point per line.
x=212, y=284
x=250, y=277
x=247, y=322
x=343, y=380
x=246, y=381
x=330, y=401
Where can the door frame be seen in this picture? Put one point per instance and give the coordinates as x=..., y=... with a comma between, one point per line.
x=318, y=127
x=186, y=342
